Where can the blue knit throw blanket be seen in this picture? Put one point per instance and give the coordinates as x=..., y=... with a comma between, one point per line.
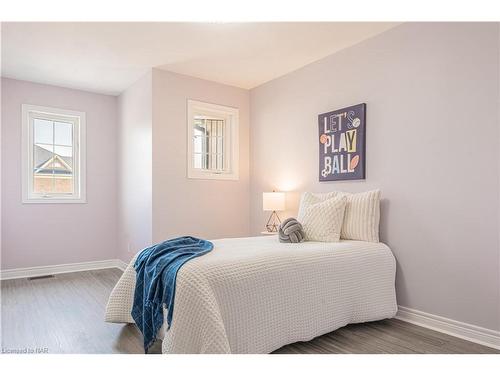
x=156, y=268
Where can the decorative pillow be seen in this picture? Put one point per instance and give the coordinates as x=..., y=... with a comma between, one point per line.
x=311, y=198
x=362, y=216
x=291, y=231
x=362, y=213
x=323, y=221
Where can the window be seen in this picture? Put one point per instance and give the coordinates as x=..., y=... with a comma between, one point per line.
x=53, y=160
x=212, y=141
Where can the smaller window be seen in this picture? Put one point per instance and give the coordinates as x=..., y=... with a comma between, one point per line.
x=212, y=141
x=53, y=159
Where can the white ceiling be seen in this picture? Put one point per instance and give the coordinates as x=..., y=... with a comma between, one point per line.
x=108, y=57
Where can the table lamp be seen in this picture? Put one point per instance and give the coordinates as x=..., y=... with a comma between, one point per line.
x=274, y=201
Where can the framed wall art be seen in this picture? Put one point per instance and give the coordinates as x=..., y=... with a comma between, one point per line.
x=342, y=144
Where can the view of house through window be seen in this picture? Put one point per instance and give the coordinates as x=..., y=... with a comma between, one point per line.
x=53, y=157
x=208, y=143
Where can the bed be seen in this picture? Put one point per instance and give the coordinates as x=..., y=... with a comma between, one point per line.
x=255, y=294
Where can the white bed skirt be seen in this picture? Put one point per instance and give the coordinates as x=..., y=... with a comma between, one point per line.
x=254, y=295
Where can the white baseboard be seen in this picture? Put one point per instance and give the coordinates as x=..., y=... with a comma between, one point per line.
x=121, y=264
x=18, y=273
x=451, y=327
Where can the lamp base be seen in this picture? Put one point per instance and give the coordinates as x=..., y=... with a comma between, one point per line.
x=273, y=222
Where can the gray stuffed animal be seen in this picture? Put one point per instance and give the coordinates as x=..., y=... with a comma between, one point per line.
x=291, y=230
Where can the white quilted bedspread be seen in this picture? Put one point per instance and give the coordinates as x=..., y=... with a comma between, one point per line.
x=254, y=295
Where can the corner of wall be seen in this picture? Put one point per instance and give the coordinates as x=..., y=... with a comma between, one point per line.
x=498, y=127
x=135, y=168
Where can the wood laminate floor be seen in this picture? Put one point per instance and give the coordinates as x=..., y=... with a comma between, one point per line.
x=65, y=314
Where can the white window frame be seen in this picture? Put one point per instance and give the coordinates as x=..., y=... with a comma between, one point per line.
x=231, y=154
x=77, y=119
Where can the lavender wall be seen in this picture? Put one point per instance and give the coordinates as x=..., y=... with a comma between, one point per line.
x=206, y=208
x=135, y=168
x=1, y=147
x=47, y=234
x=432, y=147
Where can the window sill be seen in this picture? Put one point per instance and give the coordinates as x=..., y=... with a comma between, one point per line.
x=54, y=200
x=196, y=175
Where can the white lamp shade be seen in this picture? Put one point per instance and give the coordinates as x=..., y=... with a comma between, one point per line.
x=274, y=201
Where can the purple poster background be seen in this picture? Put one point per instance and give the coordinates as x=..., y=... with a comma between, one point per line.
x=342, y=144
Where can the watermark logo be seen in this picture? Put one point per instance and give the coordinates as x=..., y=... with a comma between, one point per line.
x=26, y=350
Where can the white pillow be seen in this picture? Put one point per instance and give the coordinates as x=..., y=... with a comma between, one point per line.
x=362, y=213
x=322, y=221
x=362, y=216
x=311, y=198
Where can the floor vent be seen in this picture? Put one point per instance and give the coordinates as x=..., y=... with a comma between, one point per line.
x=41, y=277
